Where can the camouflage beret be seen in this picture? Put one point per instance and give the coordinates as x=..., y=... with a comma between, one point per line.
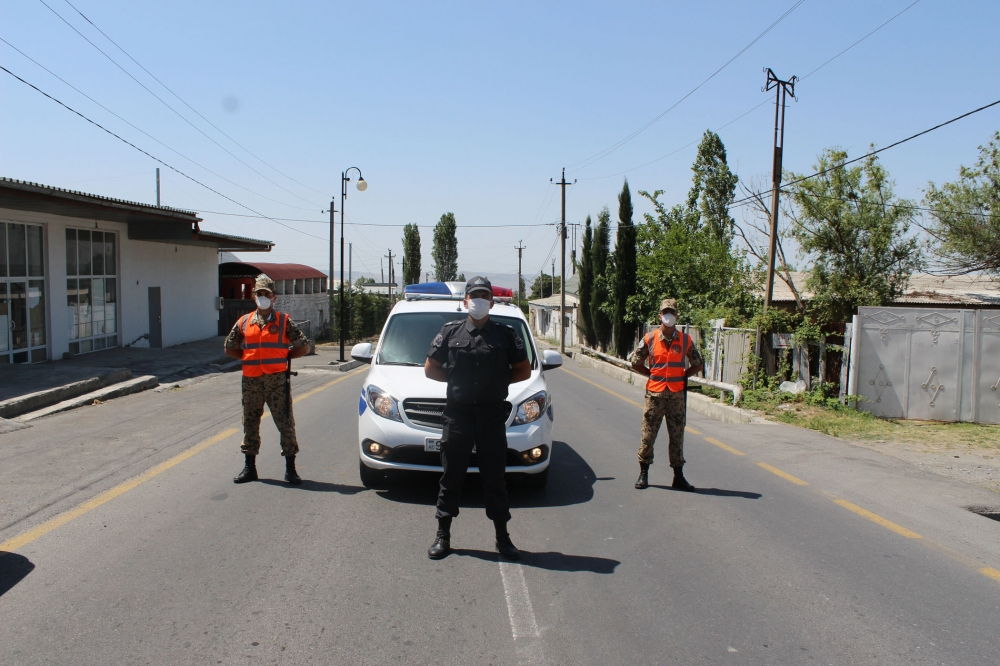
x=264, y=282
x=669, y=304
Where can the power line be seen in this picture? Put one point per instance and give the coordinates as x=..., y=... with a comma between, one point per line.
x=154, y=158
x=875, y=152
x=138, y=129
x=179, y=115
x=607, y=151
x=754, y=108
x=378, y=224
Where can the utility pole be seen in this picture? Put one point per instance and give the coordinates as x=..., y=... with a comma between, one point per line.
x=562, y=271
x=333, y=239
x=781, y=90
x=350, y=282
x=552, y=279
x=390, y=290
x=520, y=291
x=157, y=186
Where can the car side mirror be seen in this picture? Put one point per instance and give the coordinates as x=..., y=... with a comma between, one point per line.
x=551, y=359
x=362, y=352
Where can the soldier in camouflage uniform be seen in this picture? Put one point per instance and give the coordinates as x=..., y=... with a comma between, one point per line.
x=264, y=378
x=667, y=350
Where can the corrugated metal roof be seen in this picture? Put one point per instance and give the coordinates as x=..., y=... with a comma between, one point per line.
x=554, y=301
x=27, y=185
x=283, y=271
x=922, y=288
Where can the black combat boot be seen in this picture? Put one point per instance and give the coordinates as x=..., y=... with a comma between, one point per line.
x=290, y=474
x=249, y=472
x=643, y=480
x=442, y=544
x=505, y=546
x=680, y=483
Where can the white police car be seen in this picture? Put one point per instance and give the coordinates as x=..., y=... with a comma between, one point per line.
x=400, y=413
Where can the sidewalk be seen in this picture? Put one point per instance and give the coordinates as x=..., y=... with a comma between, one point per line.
x=167, y=365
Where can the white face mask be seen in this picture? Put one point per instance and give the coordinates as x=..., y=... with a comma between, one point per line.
x=669, y=319
x=479, y=307
x=263, y=302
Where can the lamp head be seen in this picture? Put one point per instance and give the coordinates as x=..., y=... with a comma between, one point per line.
x=362, y=185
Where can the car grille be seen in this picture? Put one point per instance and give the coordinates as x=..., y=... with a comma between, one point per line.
x=429, y=412
x=426, y=412
x=416, y=455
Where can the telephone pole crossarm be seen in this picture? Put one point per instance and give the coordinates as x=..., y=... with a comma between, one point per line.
x=781, y=90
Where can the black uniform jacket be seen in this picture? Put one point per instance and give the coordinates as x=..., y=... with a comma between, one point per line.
x=478, y=361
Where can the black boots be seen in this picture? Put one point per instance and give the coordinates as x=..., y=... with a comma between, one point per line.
x=442, y=544
x=290, y=474
x=643, y=481
x=680, y=483
x=249, y=472
x=505, y=546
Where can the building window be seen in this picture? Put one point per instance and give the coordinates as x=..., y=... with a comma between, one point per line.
x=22, y=294
x=91, y=289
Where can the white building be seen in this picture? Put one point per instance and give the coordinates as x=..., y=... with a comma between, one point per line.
x=543, y=317
x=80, y=272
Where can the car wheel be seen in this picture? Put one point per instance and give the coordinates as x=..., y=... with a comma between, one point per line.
x=537, y=481
x=371, y=478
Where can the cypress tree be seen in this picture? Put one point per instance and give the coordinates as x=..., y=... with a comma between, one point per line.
x=625, y=274
x=586, y=294
x=445, y=253
x=411, y=254
x=600, y=301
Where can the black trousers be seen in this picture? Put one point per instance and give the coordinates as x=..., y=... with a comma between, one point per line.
x=484, y=428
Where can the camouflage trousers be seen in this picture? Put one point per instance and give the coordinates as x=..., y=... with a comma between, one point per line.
x=270, y=390
x=673, y=408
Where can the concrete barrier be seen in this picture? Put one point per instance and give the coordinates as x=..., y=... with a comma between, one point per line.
x=32, y=402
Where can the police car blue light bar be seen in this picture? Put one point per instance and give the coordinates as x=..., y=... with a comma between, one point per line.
x=435, y=291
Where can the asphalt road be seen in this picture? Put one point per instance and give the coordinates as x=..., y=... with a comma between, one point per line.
x=129, y=544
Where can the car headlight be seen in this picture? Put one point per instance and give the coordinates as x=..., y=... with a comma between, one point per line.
x=383, y=404
x=531, y=409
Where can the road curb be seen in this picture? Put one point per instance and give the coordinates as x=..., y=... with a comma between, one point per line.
x=696, y=401
x=32, y=402
x=136, y=385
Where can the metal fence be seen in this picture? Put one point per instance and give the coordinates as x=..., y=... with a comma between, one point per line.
x=727, y=351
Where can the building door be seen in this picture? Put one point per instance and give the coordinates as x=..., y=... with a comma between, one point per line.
x=155, y=319
x=22, y=294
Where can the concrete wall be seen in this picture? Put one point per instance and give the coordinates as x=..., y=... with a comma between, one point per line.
x=545, y=323
x=314, y=307
x=188, y=278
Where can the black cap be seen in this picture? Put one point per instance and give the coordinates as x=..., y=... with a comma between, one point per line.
x=478, y=283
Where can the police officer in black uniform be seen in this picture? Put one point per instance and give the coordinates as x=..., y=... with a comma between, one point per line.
x=479, y=359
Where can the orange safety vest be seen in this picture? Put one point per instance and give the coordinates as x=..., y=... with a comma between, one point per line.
x=265, y=350
x=666, y=363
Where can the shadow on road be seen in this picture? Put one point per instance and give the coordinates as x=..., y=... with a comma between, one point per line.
x=552, y=561
x=13, y=569
x=717, y=492
x=571, y=481
x=316, y=486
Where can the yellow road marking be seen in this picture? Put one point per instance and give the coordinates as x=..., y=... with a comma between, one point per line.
x=785, y=475
x=692, y=430
x=724, y=447
x=991, y=572
x=875, y=518
x=606, y=390
x=58, y=521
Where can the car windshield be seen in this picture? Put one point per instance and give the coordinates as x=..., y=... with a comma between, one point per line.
x=408, y=336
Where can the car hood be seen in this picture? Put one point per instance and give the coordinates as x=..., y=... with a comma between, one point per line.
x=402, y=382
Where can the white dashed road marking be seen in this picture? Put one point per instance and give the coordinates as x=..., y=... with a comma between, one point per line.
x=527, y=637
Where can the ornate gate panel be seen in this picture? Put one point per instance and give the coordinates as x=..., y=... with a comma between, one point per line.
x=930, y=364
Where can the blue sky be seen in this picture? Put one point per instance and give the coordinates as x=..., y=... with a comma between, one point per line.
x=472, y=108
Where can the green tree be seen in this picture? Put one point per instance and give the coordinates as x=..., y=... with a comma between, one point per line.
x=601, y=307
x=586, y=288
x=686, y=251
x=445, y=253
x=544, y=286
x=855, y=232
x=625, y=322
x=411, y=254
x=966, y=215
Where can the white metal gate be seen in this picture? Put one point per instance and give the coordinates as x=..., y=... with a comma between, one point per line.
x=924, y=363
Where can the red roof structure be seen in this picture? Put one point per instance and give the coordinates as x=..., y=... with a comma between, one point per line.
x=244, y=269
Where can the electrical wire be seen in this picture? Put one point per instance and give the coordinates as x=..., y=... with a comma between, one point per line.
x=154, y=158
x=177, y=113
x=751, y=110
x=607, y=151
x=140, y=130
x=376, y=224
x=167, y=88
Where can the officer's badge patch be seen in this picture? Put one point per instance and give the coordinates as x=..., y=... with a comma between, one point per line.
x=272, y=329
x=518, y=342
x=437, y=340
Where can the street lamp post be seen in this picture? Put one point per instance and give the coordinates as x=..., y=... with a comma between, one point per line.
x=362, y=186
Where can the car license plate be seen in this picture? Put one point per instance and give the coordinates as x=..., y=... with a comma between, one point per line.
x=432, y=445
